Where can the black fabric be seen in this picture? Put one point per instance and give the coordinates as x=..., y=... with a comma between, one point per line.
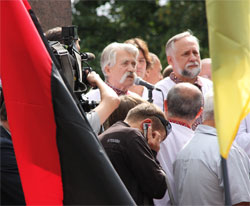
x=87, y=175
x=135, y=163
x=11, y=188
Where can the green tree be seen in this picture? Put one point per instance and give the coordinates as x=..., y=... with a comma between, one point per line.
x=145, y=19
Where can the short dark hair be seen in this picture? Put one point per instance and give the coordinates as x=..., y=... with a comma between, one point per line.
x=147, y=110
x=184, y=100
x=127, y=102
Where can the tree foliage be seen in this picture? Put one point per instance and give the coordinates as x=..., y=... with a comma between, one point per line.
x=146, y=19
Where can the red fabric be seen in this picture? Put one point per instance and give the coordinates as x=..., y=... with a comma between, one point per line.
x=180, y=123
x=26, y=4
x=26, y=79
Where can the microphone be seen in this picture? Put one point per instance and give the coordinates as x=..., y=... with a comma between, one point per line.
x=87, y=56
x=140, y=81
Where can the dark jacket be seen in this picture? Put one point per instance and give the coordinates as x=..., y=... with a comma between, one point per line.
x=11, y=188
x=135, y=163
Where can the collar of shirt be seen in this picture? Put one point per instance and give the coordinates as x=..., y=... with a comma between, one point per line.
x=176, y=80
x=118, y=91
x=205, y=129
x=180, y=123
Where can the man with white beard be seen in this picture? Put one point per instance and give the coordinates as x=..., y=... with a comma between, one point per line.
x=183, y=54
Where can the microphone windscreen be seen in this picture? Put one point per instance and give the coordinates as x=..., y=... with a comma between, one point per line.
x=87, y=56
x=137, y=80
x=91, y=56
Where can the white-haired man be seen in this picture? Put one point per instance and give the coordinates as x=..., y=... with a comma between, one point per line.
x=198, y=168
x=118, y=63
x=183, y=55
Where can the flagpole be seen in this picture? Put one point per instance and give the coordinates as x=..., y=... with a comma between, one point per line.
x=226, y=182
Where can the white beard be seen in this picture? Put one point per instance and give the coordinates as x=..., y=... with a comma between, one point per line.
x=187, y=72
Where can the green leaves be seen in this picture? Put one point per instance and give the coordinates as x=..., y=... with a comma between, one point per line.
x=146, y=19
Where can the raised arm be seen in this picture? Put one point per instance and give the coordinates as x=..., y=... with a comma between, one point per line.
x=109, y=99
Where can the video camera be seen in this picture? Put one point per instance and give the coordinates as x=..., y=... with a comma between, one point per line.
x=74, y=65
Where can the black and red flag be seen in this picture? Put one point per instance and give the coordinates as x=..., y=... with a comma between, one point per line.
x=60, y=159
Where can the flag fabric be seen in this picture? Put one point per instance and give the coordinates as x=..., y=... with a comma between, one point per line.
x=60, y=159
x=229, y=42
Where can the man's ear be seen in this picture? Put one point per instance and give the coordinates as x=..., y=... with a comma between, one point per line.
x=147, y=74
x=170, y=60
x=199, y=113
x=147, y=120
x=107, y=69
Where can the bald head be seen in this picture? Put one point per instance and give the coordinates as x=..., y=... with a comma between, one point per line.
x=206, y=68
x=184, y=100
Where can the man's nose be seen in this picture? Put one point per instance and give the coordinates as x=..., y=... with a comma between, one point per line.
x=132, y=68
x=193, y=57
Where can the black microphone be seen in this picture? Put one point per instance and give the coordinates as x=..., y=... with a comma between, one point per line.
x=87, y=56
x=140, y=81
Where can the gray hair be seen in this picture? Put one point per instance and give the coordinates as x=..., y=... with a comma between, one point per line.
x=208, y=112
x=108, y=56
x=184, y=100
x=170, y=44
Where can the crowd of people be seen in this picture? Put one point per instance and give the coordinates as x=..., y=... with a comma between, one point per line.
x=166, y=152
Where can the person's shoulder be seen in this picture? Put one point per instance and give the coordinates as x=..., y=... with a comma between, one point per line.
x=120, y=130
x=163, y=85
x=206, y=82
x=119, y=127
x=236, y=150
x=5, y=142
x=130, y=132
x=4, y=136
x=164, y=81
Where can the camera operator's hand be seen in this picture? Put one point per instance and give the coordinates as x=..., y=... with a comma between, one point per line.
x=154, y=139
x=109, y=99
x=93, y=78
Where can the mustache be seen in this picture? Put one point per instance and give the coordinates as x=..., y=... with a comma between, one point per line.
x=192, y=64
x=125, y=75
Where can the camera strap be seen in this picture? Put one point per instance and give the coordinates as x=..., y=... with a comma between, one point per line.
x=64, y=57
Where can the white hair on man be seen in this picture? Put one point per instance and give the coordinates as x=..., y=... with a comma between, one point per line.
x=170, y=47
x=108, y=56
x=208, y=112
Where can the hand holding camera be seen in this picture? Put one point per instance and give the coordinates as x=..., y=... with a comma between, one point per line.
x=93, y=78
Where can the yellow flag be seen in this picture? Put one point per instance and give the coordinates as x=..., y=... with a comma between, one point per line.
x=229, y=43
